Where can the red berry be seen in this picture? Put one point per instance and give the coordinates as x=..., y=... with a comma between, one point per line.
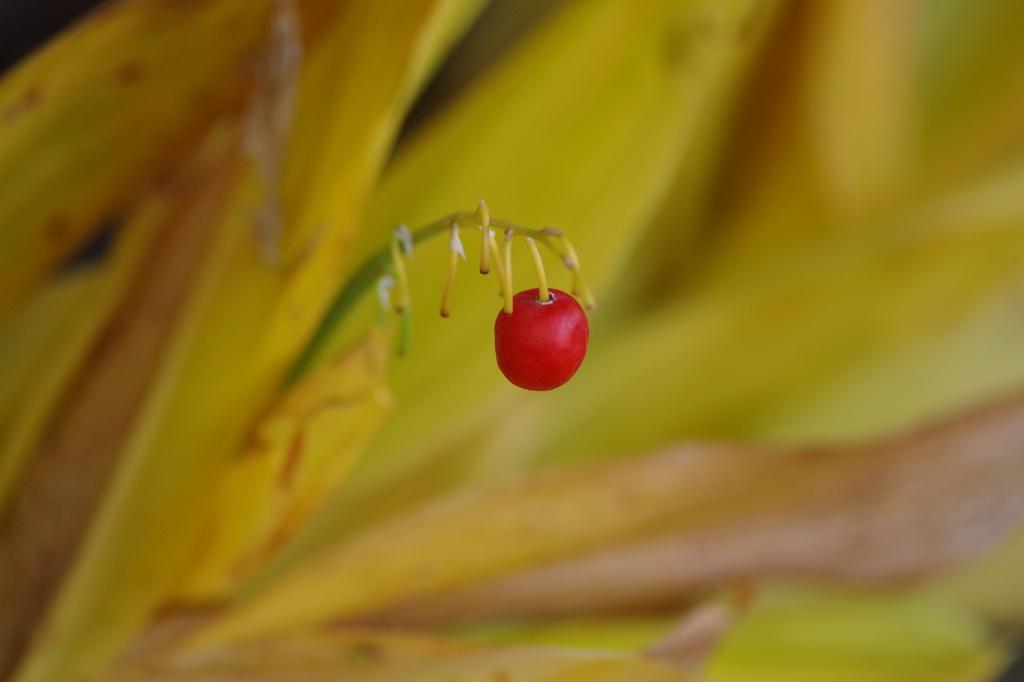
x=541, y=345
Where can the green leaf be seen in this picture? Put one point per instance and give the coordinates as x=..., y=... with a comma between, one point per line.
x=854, y=636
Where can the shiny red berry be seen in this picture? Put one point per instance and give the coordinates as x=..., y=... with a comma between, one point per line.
x=541, y=345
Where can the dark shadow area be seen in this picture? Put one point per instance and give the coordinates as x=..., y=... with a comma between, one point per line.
x=27, y=24
x=1015, y=672
x=502, y=24
x=95, y=249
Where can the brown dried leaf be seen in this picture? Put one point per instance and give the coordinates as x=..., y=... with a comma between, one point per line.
x=365, y=655
x=690, y=642
x=70, y=469
x=670, y=523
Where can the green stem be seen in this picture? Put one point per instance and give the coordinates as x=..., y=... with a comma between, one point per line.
x=358, y=284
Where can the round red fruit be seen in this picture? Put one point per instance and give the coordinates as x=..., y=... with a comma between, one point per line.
x=541, y=344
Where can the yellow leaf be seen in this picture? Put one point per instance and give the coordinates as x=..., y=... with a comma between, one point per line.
x=971, y=91
x=992, y=586
x=824, y=138
x=243, y=318
x=878, y=329
x=582, y=127
x=797, y=635
x=352, y=95
x=87, y=122
x=860, y=65
x=307, y=442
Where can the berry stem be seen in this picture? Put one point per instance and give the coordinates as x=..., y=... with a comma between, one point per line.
x=503, y=289
x=389, y=262
x=456, y=248
x=543, y=295
x=508, y=271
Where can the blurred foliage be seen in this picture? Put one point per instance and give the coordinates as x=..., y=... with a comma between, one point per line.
x=802, y=220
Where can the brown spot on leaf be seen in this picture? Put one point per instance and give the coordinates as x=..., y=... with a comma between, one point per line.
x=291, y=461
x=129, y=73
x=365, y=653
x=58, y=229
x=31, y=99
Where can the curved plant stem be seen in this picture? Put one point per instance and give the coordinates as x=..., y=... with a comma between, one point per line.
x=361, y=281
x=382, y=263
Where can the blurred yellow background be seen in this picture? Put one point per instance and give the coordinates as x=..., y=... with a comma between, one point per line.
x=795, y=450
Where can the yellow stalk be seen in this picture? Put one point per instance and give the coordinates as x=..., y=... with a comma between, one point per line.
x=543, y=295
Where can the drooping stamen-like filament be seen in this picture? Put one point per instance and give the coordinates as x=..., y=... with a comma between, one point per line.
x=509, y=235
x=550, y=236
x=504, y=281
x=384, y=286
x=391, y=260
x=543, y=295
x=455, y=244
x=485, y=227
